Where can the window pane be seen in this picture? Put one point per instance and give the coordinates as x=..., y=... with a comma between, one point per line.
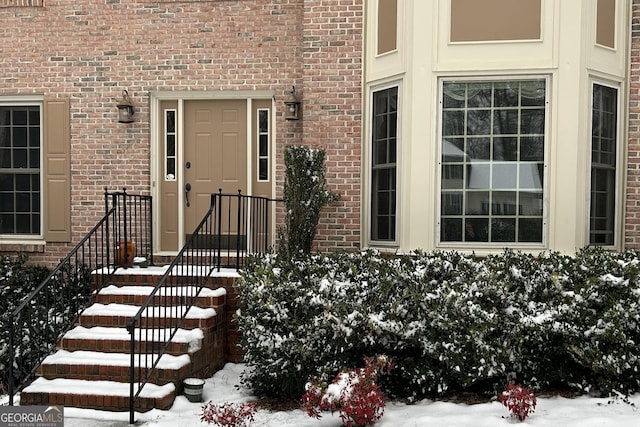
x=603, y=165
x=478, y=122
x=504, y=175
x=493, y=156
x=503, y=230
x=505, y=122
x=451, y=230
x=532, y=122
x=476, y=230
x=505, y=149
x=452, y=203
x=383, y=165
x=530, y=230
x=479, y=149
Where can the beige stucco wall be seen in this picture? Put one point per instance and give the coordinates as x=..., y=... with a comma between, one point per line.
x=566, y=54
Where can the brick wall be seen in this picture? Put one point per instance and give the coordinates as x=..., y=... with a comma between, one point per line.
x=632, y=219
x=332, y=80
x=90, y=51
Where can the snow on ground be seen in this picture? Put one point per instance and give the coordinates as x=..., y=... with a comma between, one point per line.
x=550, y=412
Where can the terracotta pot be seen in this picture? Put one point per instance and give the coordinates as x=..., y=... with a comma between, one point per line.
x=121, y=261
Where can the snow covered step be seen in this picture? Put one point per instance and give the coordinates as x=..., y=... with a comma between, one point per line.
x=137, y=295
x=98, y=366
x=112, y=339
x=103, y=395
x=119, y=315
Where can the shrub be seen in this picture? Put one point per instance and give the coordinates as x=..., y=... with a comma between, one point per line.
x=17, y=280
x=520, y=400
x=305, y=194
x=451, y=322
x=228, y=414
x=355, y=394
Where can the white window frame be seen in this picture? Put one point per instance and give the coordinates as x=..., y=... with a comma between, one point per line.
x=369, y=150
x=619, y=168
x=545, y=187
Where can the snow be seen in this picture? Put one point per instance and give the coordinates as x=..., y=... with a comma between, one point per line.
x=96, y=358
x=124, y=310
x=105, y=388
x=550, y=411
x=165, y=291
x=106, y=333
x=161, y=270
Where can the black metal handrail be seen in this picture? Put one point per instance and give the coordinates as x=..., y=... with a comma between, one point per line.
x=132, y=229
x=52, y=308
x=234, y=226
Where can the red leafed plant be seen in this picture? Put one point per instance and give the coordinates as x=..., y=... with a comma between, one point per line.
x=354, y=394
x=520, y=400
x=228, y=414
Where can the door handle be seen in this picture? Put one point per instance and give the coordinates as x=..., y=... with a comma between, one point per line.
x=187, y=188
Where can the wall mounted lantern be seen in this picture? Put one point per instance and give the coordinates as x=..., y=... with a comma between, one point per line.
x=125, y=109
x=293, y=106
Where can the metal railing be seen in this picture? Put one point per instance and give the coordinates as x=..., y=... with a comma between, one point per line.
x=132, y=229
x=234, y=226
x=53, y=307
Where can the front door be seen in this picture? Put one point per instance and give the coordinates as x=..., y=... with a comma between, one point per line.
x=211, y=156
x=215, y=154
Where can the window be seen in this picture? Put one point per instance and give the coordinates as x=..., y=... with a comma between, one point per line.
x=21, y=3
x=170, y=144
x=263, y=145
x=492, y=161
x=604, y=122
x=383, y=164
x=20, y=193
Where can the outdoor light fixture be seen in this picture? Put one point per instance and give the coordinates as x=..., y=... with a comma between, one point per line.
x=293, y=106
x=125, y=109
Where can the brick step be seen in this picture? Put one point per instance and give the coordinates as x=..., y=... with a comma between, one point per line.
x=151, y=276
x=138, y=294
x=102, y=395
x=118, y=340
x=98, y=366
x=118, y=315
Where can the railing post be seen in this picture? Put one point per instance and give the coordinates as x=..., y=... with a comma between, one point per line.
x=239, y=219
x=131, y=328
x=219, y=230
x=126, y=237
x=11, y=359
x=150, y=230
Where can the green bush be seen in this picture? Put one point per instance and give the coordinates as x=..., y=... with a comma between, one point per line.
x=17, y=280
x=44, y=317
x=305, y=194
x=451, y=322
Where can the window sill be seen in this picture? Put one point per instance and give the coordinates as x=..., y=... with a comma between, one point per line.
x=36, y=246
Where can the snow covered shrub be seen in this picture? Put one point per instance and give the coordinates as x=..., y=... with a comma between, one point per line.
x=228, y=414
x=355, y=394
x=451, y=322
x=604, y=326
x=17, y=280
x=305, y=194
x=520, y=400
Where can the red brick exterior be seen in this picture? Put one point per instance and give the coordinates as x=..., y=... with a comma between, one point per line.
x=632, y=217
x=90, y=51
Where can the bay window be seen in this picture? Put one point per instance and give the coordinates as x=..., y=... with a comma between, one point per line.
x=492, y=161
